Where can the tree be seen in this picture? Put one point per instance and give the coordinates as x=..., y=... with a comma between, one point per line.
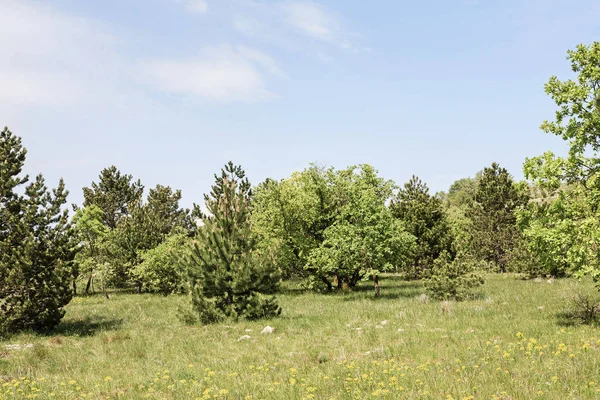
x=424, y=217
x=113, y=194
x=291, y=215
x=140, y=226
x=493, y=213
x=163, y=210
x=363, y=239
x=35, y=245
x=90, y=233
x=332, y=226
x=563, y=227
x=229, y=275
x=453, y=278
x=458, y=202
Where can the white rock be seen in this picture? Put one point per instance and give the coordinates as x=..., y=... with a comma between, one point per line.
x=378, y=327
x=267, y=329
x=248, y=330
x=245, y=337
x=400, y=330
x=383, y=322
x=18, y=346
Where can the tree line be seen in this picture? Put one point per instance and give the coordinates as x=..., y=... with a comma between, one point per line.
x=329, y=228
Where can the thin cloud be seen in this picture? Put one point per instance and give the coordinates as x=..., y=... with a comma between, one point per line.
x=196, y=6
x=290, y=23
x=223, y=74
x=52, y=57
x=317, y=22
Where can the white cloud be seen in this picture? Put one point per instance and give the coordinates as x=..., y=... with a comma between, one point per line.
x=223, y=74
x=197, y=6
x=284, y=23
x=316, y=22
x=49, y=58
x=249, y=26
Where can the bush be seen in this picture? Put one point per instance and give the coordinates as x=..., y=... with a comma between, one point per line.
x=453, y=279
x=584, y=308
x=161, y=270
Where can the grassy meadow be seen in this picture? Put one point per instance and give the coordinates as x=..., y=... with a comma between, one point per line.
x=507, y=343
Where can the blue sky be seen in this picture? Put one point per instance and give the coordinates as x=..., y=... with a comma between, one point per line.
x=170, y=90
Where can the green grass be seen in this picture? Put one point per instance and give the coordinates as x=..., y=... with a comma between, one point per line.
x=506, y=344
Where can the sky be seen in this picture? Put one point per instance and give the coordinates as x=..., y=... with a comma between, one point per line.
x=170, y=90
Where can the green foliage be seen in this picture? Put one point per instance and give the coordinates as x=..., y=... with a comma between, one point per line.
x=290, y=216
x=113, y=194
x=578, y=115
x=453, y=279
x=164, y=212
x=458, y=202
x=90, y=234
x=132, y=225
x=563, y=226
x=161, y=270
x=462, y=192
x=230, y=275
x=331, y=225
x=493, y=213
x=424, y=217
x=363, y=238
x=35, y=245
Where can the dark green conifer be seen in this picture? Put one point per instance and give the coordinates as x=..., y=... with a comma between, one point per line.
x=494, y=225
x=424, y=217
x=35, y=245
x=230, y=275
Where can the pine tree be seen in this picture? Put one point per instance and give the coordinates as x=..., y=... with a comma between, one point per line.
x=229, y=275
x=425, y=218
x=494, y=229
x=113, y=194
x=164, y=212
x=35, y=245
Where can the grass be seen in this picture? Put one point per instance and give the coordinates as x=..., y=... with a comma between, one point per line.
x=506, y=344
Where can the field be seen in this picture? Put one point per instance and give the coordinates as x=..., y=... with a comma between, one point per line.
x=506, y=344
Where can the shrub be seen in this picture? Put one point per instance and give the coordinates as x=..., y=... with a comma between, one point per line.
x=584, y=308
x=453, y=279
x=161, y=270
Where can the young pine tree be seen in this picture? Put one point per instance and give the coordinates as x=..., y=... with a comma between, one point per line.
x=493, y=214
x=35, y=246
x=425, y=218
x=229, y=275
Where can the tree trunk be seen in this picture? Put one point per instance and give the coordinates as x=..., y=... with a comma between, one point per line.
x=74, y=287
x=356, y=276
x=88, y=285
x=326, y=281
x=339, y=282
x=376, y=284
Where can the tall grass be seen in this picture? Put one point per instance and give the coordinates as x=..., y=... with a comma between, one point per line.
x=507, y=343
